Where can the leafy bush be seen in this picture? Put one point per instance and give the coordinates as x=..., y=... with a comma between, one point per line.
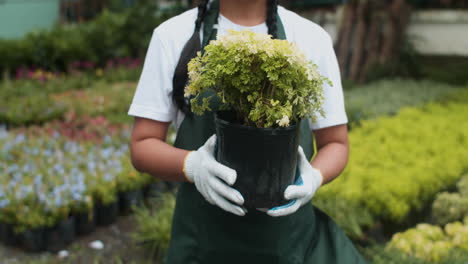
x=352, y=217
x=432, y=243
x=450, y=207
x=386, y=97
x=378, y=254
x=154, y=226
x=402, y=162
x=29, y=102
x=447, y=69
x=110, y=35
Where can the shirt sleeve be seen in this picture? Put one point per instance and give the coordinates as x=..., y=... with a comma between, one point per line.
x=153, y=95
x=333, y=106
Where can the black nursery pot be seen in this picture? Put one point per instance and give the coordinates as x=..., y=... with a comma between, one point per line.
x=8, y=235
x=32, y=240
x=106, y=214
x=265, y=159
x=129, y=199
x=153, y=190
x=60, y=235
x=3, y=233
x=85, y=222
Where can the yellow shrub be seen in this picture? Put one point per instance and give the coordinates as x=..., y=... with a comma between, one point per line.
x=399, y=163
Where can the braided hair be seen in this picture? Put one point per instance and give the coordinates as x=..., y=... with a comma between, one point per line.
x=193, y=46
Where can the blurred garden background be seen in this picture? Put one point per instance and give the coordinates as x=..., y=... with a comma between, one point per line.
x=69, y=70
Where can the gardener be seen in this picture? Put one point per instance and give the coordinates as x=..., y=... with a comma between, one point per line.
x=210, y=224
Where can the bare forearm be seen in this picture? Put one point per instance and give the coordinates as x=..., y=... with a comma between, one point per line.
x=159, y=159
x=331, y=160
x=333, y=151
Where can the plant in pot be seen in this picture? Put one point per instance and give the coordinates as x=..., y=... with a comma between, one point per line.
x=104, y=189
x=61, y=229
x=130, y=187
x=7, y=217
x=30, y=225
x=85, y=218
x=264, y=88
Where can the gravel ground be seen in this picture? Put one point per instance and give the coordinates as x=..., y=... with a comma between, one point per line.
x=118, y=249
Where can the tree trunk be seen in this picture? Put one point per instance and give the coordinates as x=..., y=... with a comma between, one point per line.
x=372, y=33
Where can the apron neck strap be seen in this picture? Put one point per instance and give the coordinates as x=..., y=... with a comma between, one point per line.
x=210, y=24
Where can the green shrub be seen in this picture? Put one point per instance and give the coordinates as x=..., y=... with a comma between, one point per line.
x=154, y=226
x=32, y=102
x=386, y=97
x=398, y=164
x=380, y=255
x=110, y=35
x=352, y=217
x=432, y=243
x=447, y=69
x=450, y=207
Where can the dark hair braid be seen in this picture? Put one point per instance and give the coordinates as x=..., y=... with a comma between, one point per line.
x=188, y=52
x=202, y=7
x=272, y=10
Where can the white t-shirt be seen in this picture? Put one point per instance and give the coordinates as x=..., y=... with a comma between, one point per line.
x=153, y=96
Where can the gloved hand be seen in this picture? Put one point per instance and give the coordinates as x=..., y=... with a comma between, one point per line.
x=212, y=179
x=303, y=189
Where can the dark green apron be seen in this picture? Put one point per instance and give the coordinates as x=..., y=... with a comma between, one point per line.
x=205, y=234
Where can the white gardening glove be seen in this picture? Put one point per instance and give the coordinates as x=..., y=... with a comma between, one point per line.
x=303, y=189
x=210, y=178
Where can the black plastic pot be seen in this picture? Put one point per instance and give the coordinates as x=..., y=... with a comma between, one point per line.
x=60, y=235
x=32, y=240
x=130, y=199
x=3, y=232
x=154, y=189
x=8, y=236
x=265, y=159
x=106, y=214
x=85, y=223
x=172, y=186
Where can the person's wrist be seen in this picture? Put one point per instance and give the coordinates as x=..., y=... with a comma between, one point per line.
x=319, y=176
x=184, y=168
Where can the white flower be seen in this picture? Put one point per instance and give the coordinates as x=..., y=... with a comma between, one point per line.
x=283, y=122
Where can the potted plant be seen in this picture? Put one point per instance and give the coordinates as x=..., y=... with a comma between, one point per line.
x=265, y=88
x=30, y=225
x=130, y=187
x=85, y=218
x=154, y=188
x=62, y=230
x=105, y=198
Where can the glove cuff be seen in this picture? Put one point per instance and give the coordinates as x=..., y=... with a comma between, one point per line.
x=184, y=167
x=320, y=176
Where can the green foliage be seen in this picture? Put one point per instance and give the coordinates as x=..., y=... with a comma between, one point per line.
x=268, y=83
x=450, y=207
x=447, y=69
x=110, y=35
x=460, y=96
x=380, y=255
x=129, y=179
x=31, y=102
x=402, y=161
x=154, y=226
x=386, y=97
x=351, y=217
x=432, y=243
